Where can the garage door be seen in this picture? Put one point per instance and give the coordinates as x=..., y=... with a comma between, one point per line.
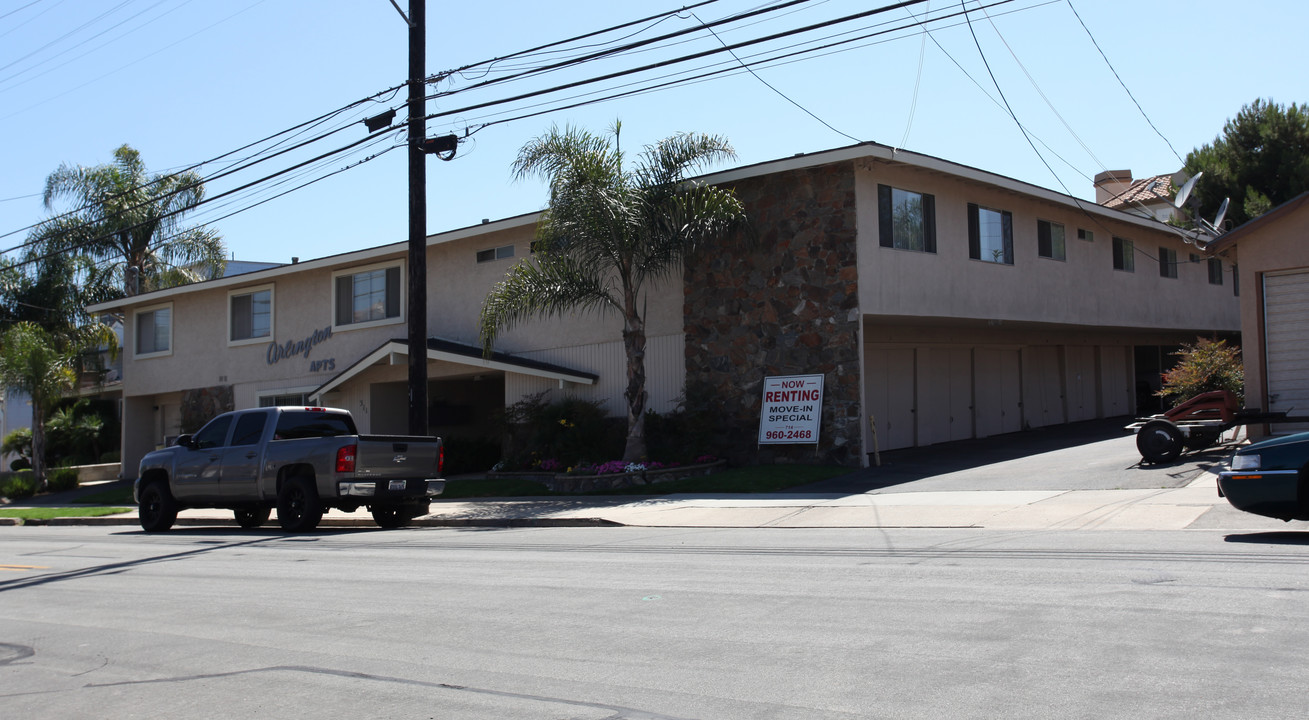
x=1286, y=337
x=889, y=373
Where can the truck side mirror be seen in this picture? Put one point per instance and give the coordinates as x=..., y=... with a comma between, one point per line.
x=185, y=441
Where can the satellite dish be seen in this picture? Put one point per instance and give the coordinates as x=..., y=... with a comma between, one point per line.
x=1185, y=191
x=1222, y=213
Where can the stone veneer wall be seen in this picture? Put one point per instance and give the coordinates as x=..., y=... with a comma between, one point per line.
x=786, y=305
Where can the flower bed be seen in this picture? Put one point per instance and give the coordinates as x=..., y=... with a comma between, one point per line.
x=574, y=482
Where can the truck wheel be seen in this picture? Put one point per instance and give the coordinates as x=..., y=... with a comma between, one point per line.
x=1160, y=441
x=250, y=519
x=391, y=517
x=298, y=506
x=158, y=509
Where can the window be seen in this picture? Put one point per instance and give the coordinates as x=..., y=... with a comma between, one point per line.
x=1049, y=240
x=154, y=331
x=300, y=399
x=990, y=235
x=249, y=428
x=1084, y=234
x=500, y=253
x=907, y=219
x=1167, y=263
x=1236, y=281
x=1215, y=271
x=212, y=435
x=1123, y=255
x=250, y=314
x=305, y=424
x=368, y=295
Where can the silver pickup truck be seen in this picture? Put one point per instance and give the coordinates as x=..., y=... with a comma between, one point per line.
x=299, y=460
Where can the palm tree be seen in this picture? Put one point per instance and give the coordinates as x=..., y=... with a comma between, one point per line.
x=607, y=233
x=44, y=365
x=131, y=220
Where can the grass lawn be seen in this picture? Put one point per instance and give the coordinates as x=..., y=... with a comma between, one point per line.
x=117, y=496
x=759, y=479
x=45, y=513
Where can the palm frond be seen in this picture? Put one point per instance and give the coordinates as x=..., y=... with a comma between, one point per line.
x=548, y=285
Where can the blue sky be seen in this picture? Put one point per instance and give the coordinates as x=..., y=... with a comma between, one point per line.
x=188, y=80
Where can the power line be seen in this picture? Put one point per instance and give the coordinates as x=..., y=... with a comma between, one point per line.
x=1120, y=82
x=770, y=86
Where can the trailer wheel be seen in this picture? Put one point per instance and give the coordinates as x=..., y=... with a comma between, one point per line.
x=1160, y=441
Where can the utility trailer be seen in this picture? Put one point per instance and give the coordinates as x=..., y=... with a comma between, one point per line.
x=1198, y=423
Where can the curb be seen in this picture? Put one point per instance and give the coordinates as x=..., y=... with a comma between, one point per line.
x=330, y=522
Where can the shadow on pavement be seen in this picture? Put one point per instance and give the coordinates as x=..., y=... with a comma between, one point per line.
x=1280, y=537
x=911, y=464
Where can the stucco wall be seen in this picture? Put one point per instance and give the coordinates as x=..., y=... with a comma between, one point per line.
x=785, y=306
x=1280, y=244
x=1082, y=289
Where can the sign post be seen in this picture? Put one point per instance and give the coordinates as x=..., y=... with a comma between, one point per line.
x=792, y=410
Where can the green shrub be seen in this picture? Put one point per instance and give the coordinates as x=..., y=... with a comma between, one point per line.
x=112, y=456
x=19, y=442
x=21, y=463
x=21, y=484
x=470, y=455
x=61, y=479
x=569, y=431
x=1205, y=366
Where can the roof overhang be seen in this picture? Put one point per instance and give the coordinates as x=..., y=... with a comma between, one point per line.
x=459, y=354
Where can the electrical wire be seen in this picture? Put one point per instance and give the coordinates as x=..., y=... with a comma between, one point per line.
x=1120, y=82
x=918, y=79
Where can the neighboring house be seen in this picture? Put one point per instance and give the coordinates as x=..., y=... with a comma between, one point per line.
x=1148, y=197
x=1273, y=255
x=941, y=301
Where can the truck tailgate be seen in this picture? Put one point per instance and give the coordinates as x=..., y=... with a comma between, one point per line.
x=397, y=456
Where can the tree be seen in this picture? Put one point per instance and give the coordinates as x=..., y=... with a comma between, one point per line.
x=130, y=221
x=1260, y=160
x=1203, y=367
x=44, y=365
x=607, y=234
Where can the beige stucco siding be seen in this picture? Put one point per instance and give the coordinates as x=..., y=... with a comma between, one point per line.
x=1080, y=289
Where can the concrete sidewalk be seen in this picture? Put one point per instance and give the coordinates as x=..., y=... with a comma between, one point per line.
x=1079, y=477
x=1122, y=509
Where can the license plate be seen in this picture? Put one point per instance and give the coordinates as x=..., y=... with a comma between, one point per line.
x=396, y=485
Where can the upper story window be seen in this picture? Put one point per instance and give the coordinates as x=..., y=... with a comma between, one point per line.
x=367, y=296
x=1236, y=280
x=1215, y=271
x=1084, y=234
x=1050, y=240
x=1124, y=258
x=249, y=314
x=907, y=219
x=500, y=253
x=990, y=235
x=1167, y=263
x=154, y=331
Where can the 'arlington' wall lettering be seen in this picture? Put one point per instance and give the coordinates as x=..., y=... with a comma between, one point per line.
x=291, y=348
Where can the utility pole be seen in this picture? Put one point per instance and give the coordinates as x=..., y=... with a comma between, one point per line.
x=417, y=219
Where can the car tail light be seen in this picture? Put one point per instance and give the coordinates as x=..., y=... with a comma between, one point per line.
x=440, y=460
x=345, y=459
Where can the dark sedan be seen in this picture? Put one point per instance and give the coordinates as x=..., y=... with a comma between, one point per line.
x=1270, y=478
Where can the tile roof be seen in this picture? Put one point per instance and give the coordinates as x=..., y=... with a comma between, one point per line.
x=1145, y=190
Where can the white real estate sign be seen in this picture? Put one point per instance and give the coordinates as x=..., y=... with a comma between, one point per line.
x=792, y=409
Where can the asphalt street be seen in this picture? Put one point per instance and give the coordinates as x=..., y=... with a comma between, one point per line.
x=652, y=623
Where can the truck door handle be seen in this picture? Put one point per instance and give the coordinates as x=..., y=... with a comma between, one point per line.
x=251, y=455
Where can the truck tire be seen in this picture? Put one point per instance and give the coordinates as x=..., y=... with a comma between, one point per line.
x=1160, y=441
x=298, y=506
x=253, y=518
x=158, y=510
